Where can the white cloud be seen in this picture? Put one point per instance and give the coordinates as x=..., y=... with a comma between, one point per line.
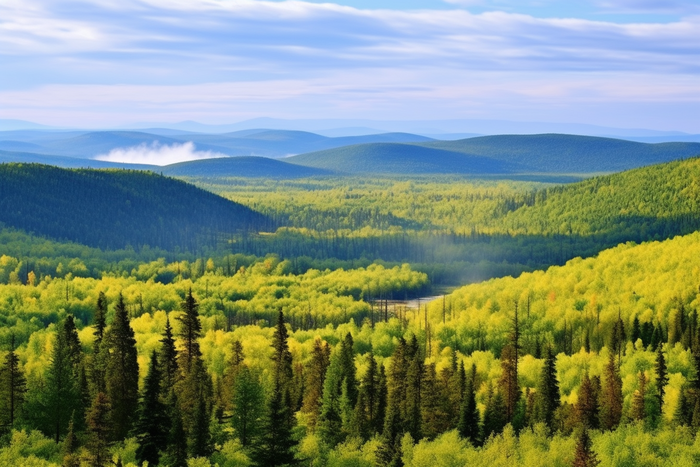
x=158, y=154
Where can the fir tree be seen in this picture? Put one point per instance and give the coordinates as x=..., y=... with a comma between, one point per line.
x=584, y=455
x=151, y=424
x=247, y=405
x=587, y=405
x=98, y=431
x=190, y=331
x=167, y=361
x=547, y=396
x=468, y=427
x=13, y=387
x=316, y=371
x=661, y=376
x=122, y=376
x=611, y=396
x=639, y=399
x=60, y=396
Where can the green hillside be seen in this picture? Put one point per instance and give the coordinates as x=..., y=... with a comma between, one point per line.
x=253, y=167
x=116, y=208
x=502, y=154
x=395, y=158
x=569, y=153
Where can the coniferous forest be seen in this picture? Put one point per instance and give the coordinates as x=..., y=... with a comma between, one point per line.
x=325, y=321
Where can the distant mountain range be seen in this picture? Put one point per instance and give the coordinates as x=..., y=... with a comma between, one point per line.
x=317, y=155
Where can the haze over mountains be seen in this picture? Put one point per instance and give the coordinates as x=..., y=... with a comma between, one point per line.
x=250, y=152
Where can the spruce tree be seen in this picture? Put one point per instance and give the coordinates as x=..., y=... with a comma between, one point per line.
x=495, y=414
x=275, y=445
x=611, y=396
x=98, y=431
x=435, y=418
x=175, y=454
x=316, y=375
x=547, y=396
x=70, y=445
x=60, y=396
x=586, y=408
x=167, y=361
x=414, y=378
x=682, y=414
x=190, y=331
x=330, y=422
x=508, y=383
x=13, y=387
x=468, y=427
x=100, y=320
x=584, y=455
x=661, y=376
x=639, y=399
x=150, y=428
x=98, y=364
x=122, y=376
x=247, y=406
x=366, y=419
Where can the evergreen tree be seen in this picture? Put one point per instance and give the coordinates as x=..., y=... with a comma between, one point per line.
x=414, y=378
x=347, y=355
x=661, y=376
x=98, y=363
x=469, y=413
x=275, y=445
x=167, y=361
x=75, y=349
x=636, y=330
x=70, y=444
x=587, y=404
x=682, y=413
x=639, y=399
x=508, y=383
x=547, y=396
x=584, y=455
x=100, y=320
x=495, y=414
x=150, y=428
x=122, y=376
x=389, y=451
x=611, y=396
x=199, y=436
x=330, y=422
x=190, y=331
x=98, y=431
x=13, y=387
x=233, y=368
x=176, y=453
x=60, y=396
x=435, y=418
x=247, y=405
x=316, y=371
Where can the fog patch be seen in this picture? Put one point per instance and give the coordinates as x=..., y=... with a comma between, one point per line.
x=158, y=154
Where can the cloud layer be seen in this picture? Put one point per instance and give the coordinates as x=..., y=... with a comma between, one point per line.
x=114, y=61
x=157, y=154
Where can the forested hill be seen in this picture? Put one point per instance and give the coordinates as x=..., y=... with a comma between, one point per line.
x=652, y=202
x=116, y=208
x=502, y=154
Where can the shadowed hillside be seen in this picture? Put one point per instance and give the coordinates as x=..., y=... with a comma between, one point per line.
x=116, y=208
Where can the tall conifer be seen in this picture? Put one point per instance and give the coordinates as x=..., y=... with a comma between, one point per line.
x=151, y=425
x=13, y=387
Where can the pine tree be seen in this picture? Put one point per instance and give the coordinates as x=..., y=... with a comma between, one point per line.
x=584, y=455
x=611, y=396
x=98, y=431
x=639, y=399
x=70, y=444
x=508, y=383
x=13, y=387
x=247, y=405
x=661, y=376
x=316, y=371
x=60, y=395
x=275, y=445
x=587, y=404
x=547, y=396
x=190, y=331
x=151, y=424
x=167, y=361
x=468, y=427
x=122, y=376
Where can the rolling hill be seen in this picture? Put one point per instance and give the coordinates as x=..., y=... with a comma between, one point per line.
x=116, y=208
x=395, y=158
x=550, y=153
x=253, y=167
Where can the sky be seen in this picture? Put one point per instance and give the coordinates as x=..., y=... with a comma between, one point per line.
x=107, y=63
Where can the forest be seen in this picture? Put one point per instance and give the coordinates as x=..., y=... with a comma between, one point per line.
x=239, y=355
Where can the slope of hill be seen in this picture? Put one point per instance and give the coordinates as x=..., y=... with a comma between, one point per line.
x=569, y=153
x=582, y=300
x=116, y=208
x=68, y=162
x=652, y=202
x=253, y=167
x=394, y=158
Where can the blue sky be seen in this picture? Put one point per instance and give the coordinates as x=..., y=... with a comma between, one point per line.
x=621, y=63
